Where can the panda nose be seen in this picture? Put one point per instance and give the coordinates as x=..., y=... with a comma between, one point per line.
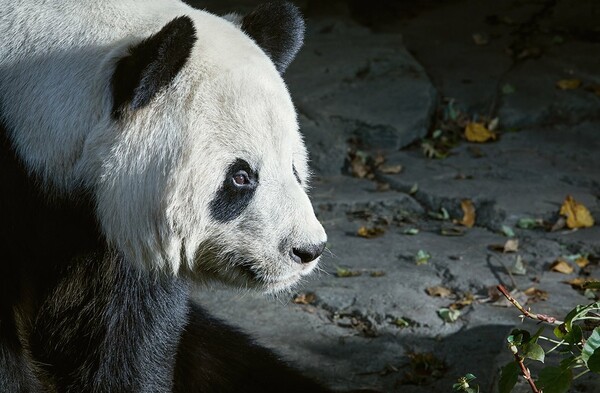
x=307, y=254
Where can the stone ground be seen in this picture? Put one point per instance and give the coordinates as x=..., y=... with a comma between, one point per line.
x=372, y=80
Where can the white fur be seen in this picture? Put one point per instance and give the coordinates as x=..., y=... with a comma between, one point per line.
x=154, y=174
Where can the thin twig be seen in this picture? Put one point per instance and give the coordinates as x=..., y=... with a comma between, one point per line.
x=539, y=317
x=524, y=369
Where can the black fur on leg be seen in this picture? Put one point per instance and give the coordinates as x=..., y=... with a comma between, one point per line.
x=216, y=358
x=108, y=327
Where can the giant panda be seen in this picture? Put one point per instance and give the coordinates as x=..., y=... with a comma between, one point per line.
x=146, y=147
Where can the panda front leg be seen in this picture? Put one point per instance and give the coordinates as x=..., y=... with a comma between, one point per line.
x=215, y=357
x=16, y=369
x=109, y=327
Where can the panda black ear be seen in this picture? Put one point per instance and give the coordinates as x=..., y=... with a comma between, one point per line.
x=278, y=28
x=151, y=65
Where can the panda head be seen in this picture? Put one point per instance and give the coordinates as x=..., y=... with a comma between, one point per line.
x=203, y=168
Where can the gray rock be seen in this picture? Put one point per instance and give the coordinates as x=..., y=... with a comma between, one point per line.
x=350, y=83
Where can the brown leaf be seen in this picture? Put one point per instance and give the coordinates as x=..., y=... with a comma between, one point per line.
x=452, y=231
x=582, y=262
x=535, y=295
x=358, y=167
x=560, y=223
x=371, y=232
x=377, y=273
x=345, y=273
x=568, y=84
x=464, y=301
x=480, y=39
x=477, y=132
x=390, y=169
x=578, y=216
x=468, y=213
x=305, y=298
x=561, y=266
x=511, y=245
x=578, y=282
x=594, y=88
x=438, y=291
x=383, y=187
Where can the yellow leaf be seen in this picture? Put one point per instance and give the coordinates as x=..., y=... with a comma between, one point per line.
x=390, y=169
x=578, y=216
x=305, y=298
x=511, y=245
x=468, y=213
x=370, y=233
x=438, y=291
x=582, y=262
x=580, y=282
x=535, y=295
x=461, y=303
x=477, y=132
x=561, y=266
x=568, y=84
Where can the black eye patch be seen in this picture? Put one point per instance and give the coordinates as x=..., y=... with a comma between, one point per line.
x=232, y=199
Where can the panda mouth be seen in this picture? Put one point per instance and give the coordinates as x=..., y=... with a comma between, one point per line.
x=270, y=285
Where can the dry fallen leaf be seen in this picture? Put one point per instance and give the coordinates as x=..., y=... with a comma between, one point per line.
x=480, y=39
x=511, y=245
x=594, y=88
x=358, y=167
x=477, y=132
x=305, y=298
x=466, y=300
x=383, y=187
x=535, y=295
x=344, y=273
x=468, y=213
x=370, y=233
x=582, y=261
x=391, y=169
x=568, y=84
x=438, y=291
x=578, y=216
x=561, y=266
x=580, y=282
x=518, y=268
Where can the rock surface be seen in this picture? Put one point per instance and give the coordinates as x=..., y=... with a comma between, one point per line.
x=378, y=87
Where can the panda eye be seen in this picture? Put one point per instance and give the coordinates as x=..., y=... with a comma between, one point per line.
x=241, y=178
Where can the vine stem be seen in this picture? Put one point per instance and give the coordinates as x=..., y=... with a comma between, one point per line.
x=538, y=317
x=524, y=369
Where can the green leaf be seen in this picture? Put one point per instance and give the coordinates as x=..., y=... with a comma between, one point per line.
x=518, y=337
x=448, y=315
x=574, y=336
x=534, y=351
x=593, y=362
x=592, y=285
x=555, y=379
x=569, y=362
x=422, y=257
x=507, y=88
x=591, y=345
x=528, y=223
x=508, y=378
x=508, y=231
x=469, y=377
x=411, y=231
